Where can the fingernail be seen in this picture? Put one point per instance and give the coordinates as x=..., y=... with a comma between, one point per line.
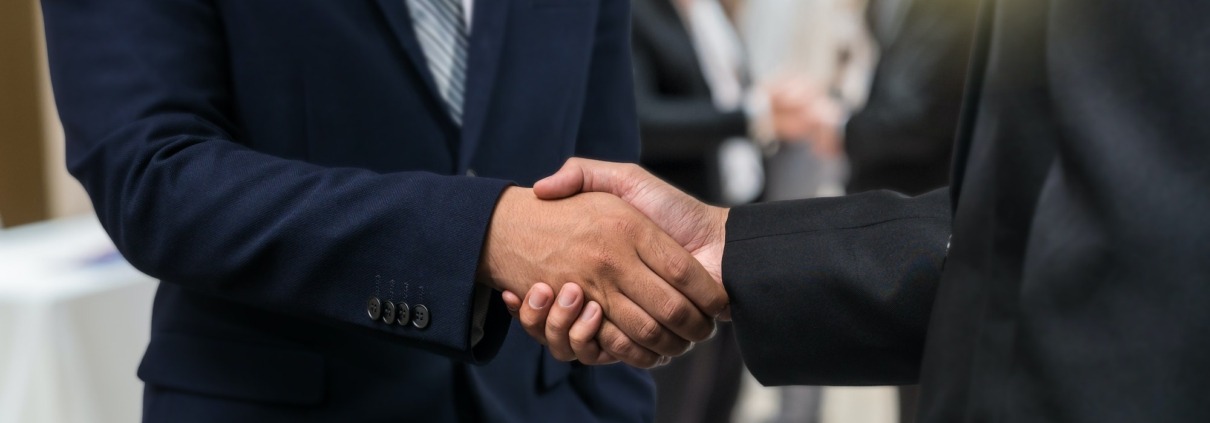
x=590, y=311
x=567, y=298
x=539, y=300
x=664, y=360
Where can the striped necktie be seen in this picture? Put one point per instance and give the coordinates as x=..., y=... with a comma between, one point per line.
x=441, y=29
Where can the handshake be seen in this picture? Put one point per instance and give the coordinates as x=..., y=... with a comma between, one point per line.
x=613, y=264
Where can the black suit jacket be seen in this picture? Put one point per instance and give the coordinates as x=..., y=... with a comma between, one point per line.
x=680, y=127
x=1077, y=287
x=903, y=138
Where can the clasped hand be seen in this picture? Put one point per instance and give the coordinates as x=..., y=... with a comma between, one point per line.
x=635, y=264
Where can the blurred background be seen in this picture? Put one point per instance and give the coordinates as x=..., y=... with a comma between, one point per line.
x=739, y=101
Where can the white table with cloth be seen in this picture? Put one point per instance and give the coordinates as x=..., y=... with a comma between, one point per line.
x=74, y=321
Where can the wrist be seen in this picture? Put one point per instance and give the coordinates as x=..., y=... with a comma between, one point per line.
x=715, y=241
x=719, y=220
x=501, y=230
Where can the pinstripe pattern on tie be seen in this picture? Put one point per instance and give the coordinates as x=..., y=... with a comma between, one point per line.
x=441, y=29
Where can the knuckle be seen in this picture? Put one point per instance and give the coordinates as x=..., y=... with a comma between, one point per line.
x=604, y=261
x=623, y=225
x=621, y=347
x=650, y=333
x=717, y=303
x=676, y=313
x=680, y=268
x=632, y=169
x=555, y=328
x=579, y=343
x=530, y=321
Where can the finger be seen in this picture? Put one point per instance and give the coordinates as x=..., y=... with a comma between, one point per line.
x=563, y=314
x=511, y=302
x=639, y=326
x=583, y=336
x=615, y=342
x=535, y=309
x=664, y=303
x=683, y=273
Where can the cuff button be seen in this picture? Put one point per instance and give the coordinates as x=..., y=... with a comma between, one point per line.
x=420, y=316
x=403, y=314
x=388, y=312
x=374, y=308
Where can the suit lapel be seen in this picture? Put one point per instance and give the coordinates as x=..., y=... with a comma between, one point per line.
x=399, y=18
x=483, y=59
x=970, y=104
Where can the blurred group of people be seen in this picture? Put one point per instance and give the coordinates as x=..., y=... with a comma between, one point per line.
x=742, y=101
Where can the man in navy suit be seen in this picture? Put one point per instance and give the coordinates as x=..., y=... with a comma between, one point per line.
x=326, y=190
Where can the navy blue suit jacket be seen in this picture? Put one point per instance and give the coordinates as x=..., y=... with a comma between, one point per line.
x=278, y=162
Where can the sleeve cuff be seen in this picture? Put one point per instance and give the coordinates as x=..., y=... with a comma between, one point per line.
x=479, y=313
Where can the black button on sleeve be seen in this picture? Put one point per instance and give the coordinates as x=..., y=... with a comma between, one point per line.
x=388, y=312
x=374, y=308
x=420, y=316
x=403, y=314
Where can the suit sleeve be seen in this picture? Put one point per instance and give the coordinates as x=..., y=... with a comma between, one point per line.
x=835, y=291
x=143, y=95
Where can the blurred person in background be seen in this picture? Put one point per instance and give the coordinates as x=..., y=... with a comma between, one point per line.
x=903, y=138
x=704, y=127
x=826, y=47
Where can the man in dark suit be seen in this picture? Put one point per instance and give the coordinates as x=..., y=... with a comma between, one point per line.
x=301, y=175
x=903, y=139
x=1075, y=286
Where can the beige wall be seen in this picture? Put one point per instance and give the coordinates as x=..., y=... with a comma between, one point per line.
x=34, y=184
x=65, y=196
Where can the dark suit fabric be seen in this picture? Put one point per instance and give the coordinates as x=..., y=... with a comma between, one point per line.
x=903, y=138
x=1077, y=287
x=679, y=124
x=277, y=163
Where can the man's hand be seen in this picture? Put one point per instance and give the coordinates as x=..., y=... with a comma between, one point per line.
x=698, y=227
x=566, y=325
x=656, y=297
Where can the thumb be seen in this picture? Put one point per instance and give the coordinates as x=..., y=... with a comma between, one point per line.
x=583, y=175
x=568, y=181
